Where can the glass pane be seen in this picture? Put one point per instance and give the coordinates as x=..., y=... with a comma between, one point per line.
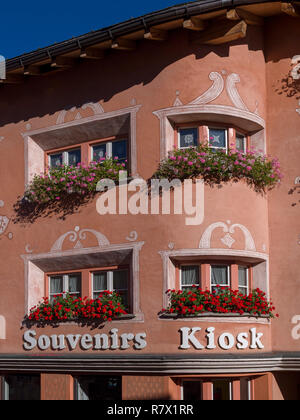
x=99, y=152
x=240, y=143
x=74, y=157
x=243, y=281
x=56, y=160
x=75, y=284
x=221, y=390
x=119, y=149
x=191, y=390
x=99, y=283
x=56, y=285
x=22, y=387
x=120, y=280
x=188, y=137
x=190, y=275
x=99, y=388
x=217, y=138
x=219, y=276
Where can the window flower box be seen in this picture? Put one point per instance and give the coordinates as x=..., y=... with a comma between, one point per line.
x=223, y=301
x=107, y=307
x=216, y=166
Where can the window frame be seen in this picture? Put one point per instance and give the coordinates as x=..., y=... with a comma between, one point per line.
x=86, y=150
x=229, y=275
x=66, y=285
x=87, y=281
x=203, y=127
x=181, y=287
x=110, y=280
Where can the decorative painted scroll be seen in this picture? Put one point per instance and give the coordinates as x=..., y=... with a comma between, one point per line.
x=213, y=92
x=3, y=224
x=227, y=240
x=77, y=236
x=94, y=106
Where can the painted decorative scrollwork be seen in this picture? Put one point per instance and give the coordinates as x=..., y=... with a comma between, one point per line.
x=94, y=106
x=3, y=224
x=227, y=240
x=77, y=236
x=213, y=92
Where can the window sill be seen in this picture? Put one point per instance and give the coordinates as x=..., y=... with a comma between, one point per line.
x=83, y=322
x=217, y=317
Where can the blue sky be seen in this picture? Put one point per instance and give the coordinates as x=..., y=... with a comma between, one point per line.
x=29, y=25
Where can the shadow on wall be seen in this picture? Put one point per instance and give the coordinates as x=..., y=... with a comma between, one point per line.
x=103, y=79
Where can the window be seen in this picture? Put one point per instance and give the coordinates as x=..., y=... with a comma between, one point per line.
x=191, y=390
x=220, y=276
x=190, y=276
x=188, y=137
x=98, y=388
x=63, y=284
x=240, y=142
x=243, y=280
x=222, y=390
x=114, y=281
x=21, y=388
x=110, y=149
x=218, y=138
x=67, y=157
x=88, y=152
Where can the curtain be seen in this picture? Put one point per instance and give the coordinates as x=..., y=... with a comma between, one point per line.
x=219, y=275
x=99, y=283
x=189, y=275
x=75, y=284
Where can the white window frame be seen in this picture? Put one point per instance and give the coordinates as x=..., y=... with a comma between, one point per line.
x=65, y=284
x=109, y=146
x=226, y=138
x=180, y=275
x=228, y=275
x=110, y=282
x=187, y=128
x=247, y=279
x=244, y=138
x=65, y=156
x=230, y=390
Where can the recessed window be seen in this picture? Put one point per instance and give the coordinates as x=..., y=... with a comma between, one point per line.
x=64, y=284
x=188, y=137
x=191, y=390
x=222, y=390
x=21, y=388
x=190, y=276
x=113, y=281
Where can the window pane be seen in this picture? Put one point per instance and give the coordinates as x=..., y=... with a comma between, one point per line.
x=120, y=284
x=99, y=388
x=22, y=387
x=189, y=275
x=99, y=152
x=56, y=285
x=217, y=138
x=99, y=283
x=56, y=160
x=243, y=280
x=222, y=390
x=219, y=276
x=240, y=143
x=74, y=157
x=188, y=137
x=191, y=390
x=119, y=149
x=75, y=284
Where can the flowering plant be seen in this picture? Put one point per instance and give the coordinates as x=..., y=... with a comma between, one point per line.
x=107, y=306
x=64, y=180
x=222, y=300
x=215, y=166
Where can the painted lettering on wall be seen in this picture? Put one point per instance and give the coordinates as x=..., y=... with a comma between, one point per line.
x=191, y=338
x=296, y=329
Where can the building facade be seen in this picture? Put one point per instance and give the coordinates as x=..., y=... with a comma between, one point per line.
x=203, y=72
